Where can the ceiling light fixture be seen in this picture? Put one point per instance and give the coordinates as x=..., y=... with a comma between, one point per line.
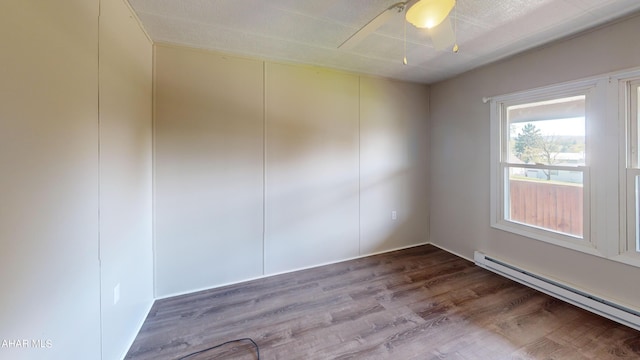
x=429, y=13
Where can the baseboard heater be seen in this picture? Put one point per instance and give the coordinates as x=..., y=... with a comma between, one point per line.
x=608, y=309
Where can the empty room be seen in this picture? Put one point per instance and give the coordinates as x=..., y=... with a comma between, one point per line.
x=319, y=179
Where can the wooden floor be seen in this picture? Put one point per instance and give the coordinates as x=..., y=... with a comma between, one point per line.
x=418, y=303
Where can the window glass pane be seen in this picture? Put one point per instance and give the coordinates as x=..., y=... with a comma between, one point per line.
x=547, y=132
x=546, y=199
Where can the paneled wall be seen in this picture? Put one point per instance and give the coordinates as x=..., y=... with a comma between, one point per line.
x=75, y=179
x=208, y=169
x=311, y=202
x=394, y=163
x=49, y=267
x=263, y=167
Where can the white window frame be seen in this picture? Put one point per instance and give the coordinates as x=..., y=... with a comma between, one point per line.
x=628, y=108
x=592, y=89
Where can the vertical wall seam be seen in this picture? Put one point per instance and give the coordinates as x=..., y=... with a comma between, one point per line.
x=264, y=167
x=359, y=165
x=153, y=173
x=428, y=171
x=100, y=305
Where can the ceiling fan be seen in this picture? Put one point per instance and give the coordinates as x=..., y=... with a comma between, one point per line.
x=432, y=15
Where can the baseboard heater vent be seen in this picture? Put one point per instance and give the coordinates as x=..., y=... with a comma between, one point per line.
x=606, y=308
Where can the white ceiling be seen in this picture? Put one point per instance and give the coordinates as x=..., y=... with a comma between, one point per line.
x=309, y=31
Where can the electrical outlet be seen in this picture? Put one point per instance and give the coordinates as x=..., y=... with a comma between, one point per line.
x=394, y=215
x=116, y=294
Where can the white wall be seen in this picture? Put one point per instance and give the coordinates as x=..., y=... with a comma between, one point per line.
x=311, y=202
x=208, y=169
x=259, y=167
x=49, y=178
x=394, y=163
x=460, y=158
x=75, y=179
x=125, y=176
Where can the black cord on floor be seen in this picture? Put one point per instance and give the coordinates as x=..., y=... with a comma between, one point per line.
x=223, y=344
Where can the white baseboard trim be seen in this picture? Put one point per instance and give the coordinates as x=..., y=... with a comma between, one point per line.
x=451, y=252
x=289, y=271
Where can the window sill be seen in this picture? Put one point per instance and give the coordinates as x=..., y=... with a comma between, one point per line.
x=557, y=239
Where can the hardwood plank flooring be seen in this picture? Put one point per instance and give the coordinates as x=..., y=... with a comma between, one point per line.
x=417, y=303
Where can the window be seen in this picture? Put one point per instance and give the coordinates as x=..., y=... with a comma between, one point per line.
x=540, y=163
x=565, y=165
x=545, y=164
x=631, y=98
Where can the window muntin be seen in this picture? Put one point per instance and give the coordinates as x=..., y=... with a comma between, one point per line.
x=543, y=167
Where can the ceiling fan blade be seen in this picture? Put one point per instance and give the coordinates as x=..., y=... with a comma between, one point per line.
x=373, y=25
x=443, y=36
